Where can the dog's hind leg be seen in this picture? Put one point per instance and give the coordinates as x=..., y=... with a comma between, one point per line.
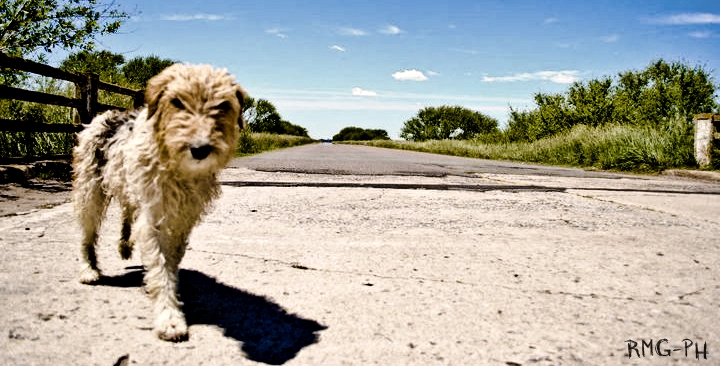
x=91, y=204
x=126, y=246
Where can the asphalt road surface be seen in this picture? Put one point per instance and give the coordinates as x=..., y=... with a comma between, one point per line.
x=333, y=254
x=349, y=159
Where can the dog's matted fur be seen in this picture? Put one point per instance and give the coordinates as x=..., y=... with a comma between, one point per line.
x=160, y=163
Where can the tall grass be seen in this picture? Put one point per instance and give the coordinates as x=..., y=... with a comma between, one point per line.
x=609, y=147
x=15, y=144
x=250, y=143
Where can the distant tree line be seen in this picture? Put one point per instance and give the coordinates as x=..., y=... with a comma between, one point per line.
x=360, y=134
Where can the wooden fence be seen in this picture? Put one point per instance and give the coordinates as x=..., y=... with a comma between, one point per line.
x=85, y=103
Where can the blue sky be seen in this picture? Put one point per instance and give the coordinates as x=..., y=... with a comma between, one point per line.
x=373, y=64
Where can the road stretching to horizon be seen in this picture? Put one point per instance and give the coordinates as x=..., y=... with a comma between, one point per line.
x=340, y=254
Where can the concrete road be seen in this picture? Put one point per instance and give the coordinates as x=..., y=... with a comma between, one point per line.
x=414, y=259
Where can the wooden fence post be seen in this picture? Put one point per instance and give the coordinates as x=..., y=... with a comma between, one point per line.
x=139, y=99
x=89, y=96
x=29, y=138
x=705, y=134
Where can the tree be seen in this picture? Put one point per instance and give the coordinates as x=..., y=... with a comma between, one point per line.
x=360, y=134
x=266, y=118
x=139, y=70
x=591, y=103
x=293, y=129
x=519, y=125
x=29, y=26
x=447, y=122
x=112, y=68
x=262, y=116
x=248, y=109
x=103, y=63
x=665, y=90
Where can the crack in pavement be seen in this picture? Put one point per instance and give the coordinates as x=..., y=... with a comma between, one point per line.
x=436, y=187
x=457, y=187
x=297, y=265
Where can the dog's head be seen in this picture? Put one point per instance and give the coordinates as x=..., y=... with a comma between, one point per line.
x=196, y=111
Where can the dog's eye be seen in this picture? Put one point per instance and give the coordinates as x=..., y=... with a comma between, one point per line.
x=223, y=107
x=177, y=103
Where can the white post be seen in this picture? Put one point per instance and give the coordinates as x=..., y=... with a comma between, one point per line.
x=704, y=134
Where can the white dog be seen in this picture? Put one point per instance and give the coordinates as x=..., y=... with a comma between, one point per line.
x=160, y=163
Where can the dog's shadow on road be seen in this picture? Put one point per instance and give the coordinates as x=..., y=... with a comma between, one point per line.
x=268, y=333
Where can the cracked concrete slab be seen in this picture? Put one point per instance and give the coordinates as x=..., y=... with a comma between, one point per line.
x=348, y=271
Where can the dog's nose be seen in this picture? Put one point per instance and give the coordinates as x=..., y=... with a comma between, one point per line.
x=200, y=152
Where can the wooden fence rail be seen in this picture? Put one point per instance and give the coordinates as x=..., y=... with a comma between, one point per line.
x=85, y=103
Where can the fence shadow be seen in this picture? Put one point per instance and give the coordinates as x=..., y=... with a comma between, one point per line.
x=268, y=333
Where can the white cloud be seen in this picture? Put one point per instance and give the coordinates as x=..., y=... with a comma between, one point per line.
x=409, y=75
x=290, y=99
x=610, y=38
x=465, y=50
x=360, y=92
x=551, y=20
x=277, y=32
x=432, y=73
x=391, y=30
x=338, y=48
x=705, y=34
x=558, y=77
x=689, y=18
x=190, y=17
x=352, y=32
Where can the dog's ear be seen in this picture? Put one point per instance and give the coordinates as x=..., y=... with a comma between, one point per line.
x=241, y=96
x=155, y=88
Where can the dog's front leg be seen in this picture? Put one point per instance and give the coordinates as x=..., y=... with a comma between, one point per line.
x=161, y=277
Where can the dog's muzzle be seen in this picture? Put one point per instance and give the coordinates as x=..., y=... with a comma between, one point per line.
x=200, y=152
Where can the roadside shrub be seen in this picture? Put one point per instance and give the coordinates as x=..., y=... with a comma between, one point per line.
x=610, y=147
x=663, y=91
x=360, y=134
x=447, y=122
x=250, y=143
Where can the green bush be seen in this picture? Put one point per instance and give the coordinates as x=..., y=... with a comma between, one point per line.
x=447, y=122
x=608, y=147
x=661, y=92
x=360, y=134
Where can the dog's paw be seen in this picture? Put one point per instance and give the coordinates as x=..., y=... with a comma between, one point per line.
x=125, y=248
x=170, y=326
x=89, y=275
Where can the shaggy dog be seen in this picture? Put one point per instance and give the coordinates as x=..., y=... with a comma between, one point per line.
x=160, y=163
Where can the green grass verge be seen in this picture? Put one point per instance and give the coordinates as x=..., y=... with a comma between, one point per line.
x=611, y=147
x=251, y=143
x=14, y=144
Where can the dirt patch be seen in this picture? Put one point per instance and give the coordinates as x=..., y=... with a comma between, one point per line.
x=21, y=198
